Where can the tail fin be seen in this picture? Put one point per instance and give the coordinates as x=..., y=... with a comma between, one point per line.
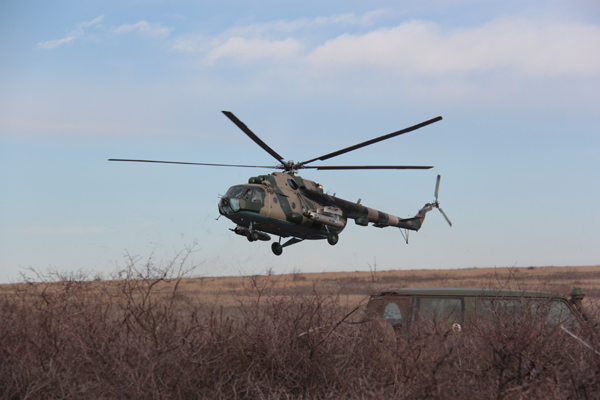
x=414, y=223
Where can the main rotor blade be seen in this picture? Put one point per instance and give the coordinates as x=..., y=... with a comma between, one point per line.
x=372, y=141
x=332, y=167
x=252, y=136
x=192, y=163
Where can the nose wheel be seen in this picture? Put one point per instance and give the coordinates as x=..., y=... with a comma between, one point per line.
x=333, y=238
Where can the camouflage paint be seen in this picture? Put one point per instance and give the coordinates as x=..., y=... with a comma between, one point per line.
x=287, y=196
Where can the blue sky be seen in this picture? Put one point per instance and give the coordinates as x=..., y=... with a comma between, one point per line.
x=80, y=82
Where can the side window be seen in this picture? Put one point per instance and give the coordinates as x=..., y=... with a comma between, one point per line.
x=555, y=312
x=448, y=309
x=247, y=194
x=489, y=307
x=392, y=309
x=281, y=200
x=257, y=196
x=392, y=313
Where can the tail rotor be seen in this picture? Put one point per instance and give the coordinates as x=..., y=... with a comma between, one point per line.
x=437, y=203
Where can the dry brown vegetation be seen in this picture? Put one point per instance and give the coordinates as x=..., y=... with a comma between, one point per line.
x=353, y=287
x=153, y=334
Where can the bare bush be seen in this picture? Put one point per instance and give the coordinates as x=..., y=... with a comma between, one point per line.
x=138, y=337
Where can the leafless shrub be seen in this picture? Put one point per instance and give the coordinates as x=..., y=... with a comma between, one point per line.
x=297, y=275
x=137, y=337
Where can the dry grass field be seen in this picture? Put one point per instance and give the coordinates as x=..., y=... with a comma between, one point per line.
x=153, y=333
x=354, y=287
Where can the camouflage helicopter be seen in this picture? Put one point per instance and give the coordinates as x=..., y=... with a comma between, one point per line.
x=286, y=205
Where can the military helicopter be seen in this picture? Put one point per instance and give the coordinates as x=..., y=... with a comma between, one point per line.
x=286, y=205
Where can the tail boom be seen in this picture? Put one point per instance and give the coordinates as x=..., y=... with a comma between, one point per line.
x=415, y=223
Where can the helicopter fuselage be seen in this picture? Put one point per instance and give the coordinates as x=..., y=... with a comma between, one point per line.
x=277, y=204
x=287, y=205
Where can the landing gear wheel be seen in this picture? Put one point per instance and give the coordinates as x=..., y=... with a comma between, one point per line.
x=333, y=238
x=277, y=249
x=252, y=236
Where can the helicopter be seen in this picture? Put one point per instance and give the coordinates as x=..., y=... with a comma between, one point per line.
x=286, y=205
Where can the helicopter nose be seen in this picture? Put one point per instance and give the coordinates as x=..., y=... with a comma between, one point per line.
x=224, y=206
x=228, y=205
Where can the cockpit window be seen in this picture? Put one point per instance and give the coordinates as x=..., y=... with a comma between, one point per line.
x=249, y=194
x=257, y=196
x=234, y=191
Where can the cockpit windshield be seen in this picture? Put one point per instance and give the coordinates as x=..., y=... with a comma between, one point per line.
x=235, y=191
x=245, y=193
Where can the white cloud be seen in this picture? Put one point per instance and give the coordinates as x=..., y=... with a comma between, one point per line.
x=191, y=43
x=518, y=45
x=269, y=35
x=418, y=47
x=77, y=32
x=93, y=22
x=143, y=27
x=50, y=44
x=242, y=49
x=281, y=27
x=146, y=28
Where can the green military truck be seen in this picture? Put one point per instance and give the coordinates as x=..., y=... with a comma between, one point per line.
x=458, y=306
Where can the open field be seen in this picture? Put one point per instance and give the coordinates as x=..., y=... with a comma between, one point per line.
x=554, y=279
x=155, y=334
x=353, y=287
